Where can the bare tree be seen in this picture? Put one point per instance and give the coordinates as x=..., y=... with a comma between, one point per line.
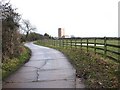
x=27, y=27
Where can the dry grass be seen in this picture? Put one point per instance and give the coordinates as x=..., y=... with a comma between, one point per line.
x=96, y=71
x=11, y=65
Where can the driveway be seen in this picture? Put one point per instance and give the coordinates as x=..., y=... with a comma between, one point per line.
x=47, y=68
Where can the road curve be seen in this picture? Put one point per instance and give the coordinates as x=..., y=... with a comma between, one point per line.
x=47, y=68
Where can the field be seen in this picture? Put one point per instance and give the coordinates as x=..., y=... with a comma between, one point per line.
x=96, y=71
x=106, y=47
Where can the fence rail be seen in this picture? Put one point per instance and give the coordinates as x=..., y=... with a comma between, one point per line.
x=106, y=46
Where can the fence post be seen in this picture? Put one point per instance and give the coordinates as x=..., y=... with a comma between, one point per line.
x=95, y=45
x=51, y=41
x=119, y=50
x=54, y=42
x=81, y=43
x=66, y=43
x=48, y=41
x=75, y=43
x=87, y=44
x=62, y=42
x=105, y=46
x=43, y=41
x=59, y=42
x=71, y=42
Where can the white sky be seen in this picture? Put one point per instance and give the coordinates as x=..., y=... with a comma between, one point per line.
x=83, y=18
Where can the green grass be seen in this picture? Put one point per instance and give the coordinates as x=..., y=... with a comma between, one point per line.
x=11, y=65
x=67, y=43
x=96, y=71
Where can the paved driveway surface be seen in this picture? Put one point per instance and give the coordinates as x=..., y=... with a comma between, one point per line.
x=47, y=68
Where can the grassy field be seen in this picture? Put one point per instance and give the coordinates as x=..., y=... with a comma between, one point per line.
x=97, y=72
x=11, y=65
x=100, y=47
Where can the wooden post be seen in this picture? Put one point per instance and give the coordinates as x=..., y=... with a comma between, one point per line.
x=62, y=42
x=71, y=42
x=95, y=45
x=54, y=42
x=51, y=41
x=119, y=50
x=48, y=41
x=105, y=47
x=66, y=43
x=44, y=42
x=59, y=42
x=81, y=43
x=87, y=44
x=75, y=43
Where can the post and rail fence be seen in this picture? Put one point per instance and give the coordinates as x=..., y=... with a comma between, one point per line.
x=105, y=46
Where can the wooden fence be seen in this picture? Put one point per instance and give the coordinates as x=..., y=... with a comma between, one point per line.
x=106, y=46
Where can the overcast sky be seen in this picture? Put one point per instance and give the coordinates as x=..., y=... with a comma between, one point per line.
x=83, y=18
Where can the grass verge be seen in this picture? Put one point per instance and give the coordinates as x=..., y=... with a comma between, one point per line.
x=11, y=65
x=96, y=71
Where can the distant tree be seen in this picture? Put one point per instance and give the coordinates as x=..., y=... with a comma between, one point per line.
x=27, y=27
x=47, y=36
x=34, y=36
